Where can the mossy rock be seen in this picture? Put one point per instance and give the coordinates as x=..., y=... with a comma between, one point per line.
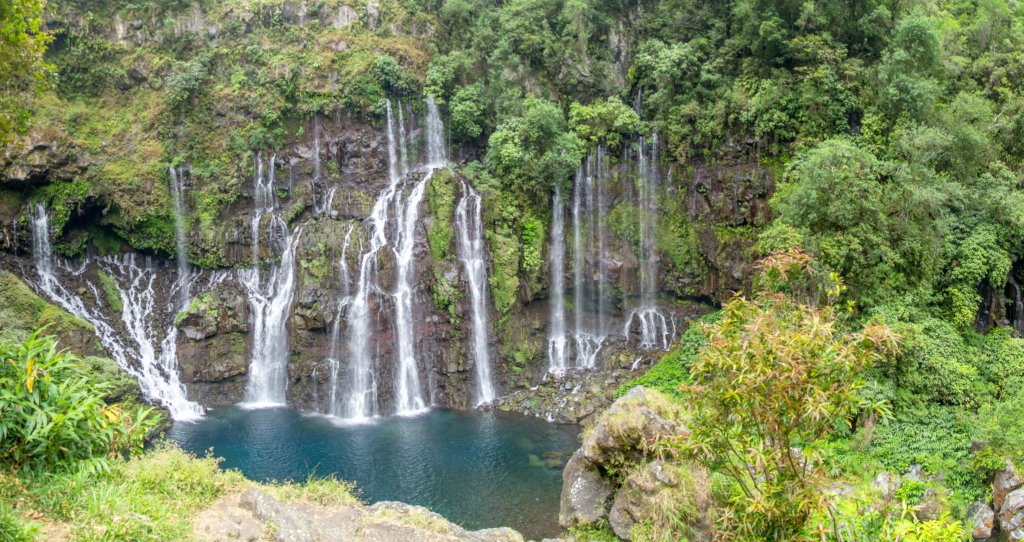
x=23, y=312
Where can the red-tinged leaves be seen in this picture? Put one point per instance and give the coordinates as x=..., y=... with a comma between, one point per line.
x=775, y=376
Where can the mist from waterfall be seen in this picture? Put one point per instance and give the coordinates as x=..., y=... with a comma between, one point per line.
x=270, y=294
x=470, y=229
x=155, y=367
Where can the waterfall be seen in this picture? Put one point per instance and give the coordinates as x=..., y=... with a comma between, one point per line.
x=157, y=373
x=601, y=234
x=333, y=359
x=469, y=223
x=655, y=329
x=270, y=299
x=409, y=395
x=403, y=153
x=436, y=156
x=396, y=232
x=317, y=204
x=184, y=273
x=556, y=337
x=589, y=238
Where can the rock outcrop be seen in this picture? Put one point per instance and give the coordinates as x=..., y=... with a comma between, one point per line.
x=1003, y=519
x=255, y=515
x=617, y=474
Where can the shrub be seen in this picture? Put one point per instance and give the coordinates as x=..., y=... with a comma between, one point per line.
x=771, y=385
x=52, y=416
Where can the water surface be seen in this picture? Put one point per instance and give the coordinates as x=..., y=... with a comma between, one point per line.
x=477, y=469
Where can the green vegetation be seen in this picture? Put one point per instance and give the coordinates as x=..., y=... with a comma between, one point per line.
x=70, y=457
x=441, y=201
x=673, y=369
x=770, y=384
x=51, y=415
x=22, y=312
x=110, y=291
x=893, y=133
x=23, y=72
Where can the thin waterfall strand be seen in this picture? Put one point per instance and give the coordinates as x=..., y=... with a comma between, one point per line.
x=270, y=298
x=469, y=224
x=556, y=337
x=184, y=279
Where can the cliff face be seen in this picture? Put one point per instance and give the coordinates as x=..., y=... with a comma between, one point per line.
x=108, y=187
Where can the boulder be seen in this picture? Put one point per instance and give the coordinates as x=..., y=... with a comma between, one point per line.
x=584, y=492
x=1011, y=516
x=1005, y=481
x=982, y=519
x=655, y=493
x=887, y=483
x=669, y=496
x=632, y=424
x=930, y=507
x=288, y=526
x=255, y=515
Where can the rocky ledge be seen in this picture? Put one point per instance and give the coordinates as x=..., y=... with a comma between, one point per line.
x=255, y=516
x=619, y=475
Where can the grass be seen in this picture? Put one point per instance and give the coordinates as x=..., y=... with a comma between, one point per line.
x=599, y=531
x=152, y=497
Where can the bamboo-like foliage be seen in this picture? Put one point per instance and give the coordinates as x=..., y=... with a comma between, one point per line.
x=777, y=376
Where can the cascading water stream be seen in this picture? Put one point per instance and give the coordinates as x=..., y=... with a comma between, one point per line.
x=270, y=299
x=156, y=371
x=557, y=338
x=333, y=351
x=655, y=329
x=469, y=223
x=184, y=281
x=408, y=392
x=588, y=238
x=393, y=206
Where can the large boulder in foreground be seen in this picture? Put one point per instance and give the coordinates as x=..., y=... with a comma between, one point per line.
x=257, y=516
x=617, y=473
x=651, y=489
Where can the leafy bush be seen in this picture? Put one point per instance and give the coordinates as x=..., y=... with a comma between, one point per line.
x=1001, y=425
x=51, y=415
x=467, y=113
x=860, y=518
x=534, y=151
x=186, y=80
x=770, y=386
x=604, y=120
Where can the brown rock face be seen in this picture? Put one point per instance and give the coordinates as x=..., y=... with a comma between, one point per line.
x=1006, y=481
x=37, y=162
x=981, y=516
